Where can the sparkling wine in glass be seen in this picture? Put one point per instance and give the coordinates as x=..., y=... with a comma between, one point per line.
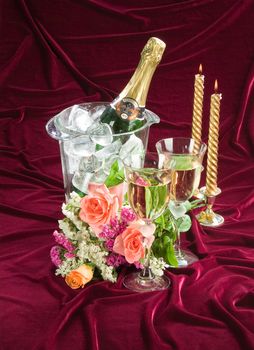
x=148, y=195
x=185, y=177
x=148, y=191
x=184, y=159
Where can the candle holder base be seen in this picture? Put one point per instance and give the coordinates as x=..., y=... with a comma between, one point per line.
x=208, y=217
x=210, y=220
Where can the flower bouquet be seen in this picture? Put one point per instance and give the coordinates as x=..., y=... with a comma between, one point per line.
x=100, y=233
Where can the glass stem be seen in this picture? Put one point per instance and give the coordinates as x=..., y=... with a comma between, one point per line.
x=178, y=243
x=146, y=272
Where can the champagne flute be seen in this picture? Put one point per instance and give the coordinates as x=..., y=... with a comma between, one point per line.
x=184, y=158
x=148, y=195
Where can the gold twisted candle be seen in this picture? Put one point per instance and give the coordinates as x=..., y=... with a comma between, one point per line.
x=198, y=107
x=213, y=138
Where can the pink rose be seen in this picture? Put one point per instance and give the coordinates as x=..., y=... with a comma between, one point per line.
x=99, y=206
x=133, y=241
x=119, y=191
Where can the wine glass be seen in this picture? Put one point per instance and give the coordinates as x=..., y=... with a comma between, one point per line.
x=148, y=196
x=184, y=158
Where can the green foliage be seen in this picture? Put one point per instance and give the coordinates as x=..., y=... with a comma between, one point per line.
x=167, y=227
x=116, y=175
x=165, y=236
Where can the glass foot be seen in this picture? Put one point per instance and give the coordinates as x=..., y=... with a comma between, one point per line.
x=138, y=283
x=185, y=258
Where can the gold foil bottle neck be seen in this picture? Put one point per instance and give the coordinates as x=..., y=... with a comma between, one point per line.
x=153, y=50
x=138, y=86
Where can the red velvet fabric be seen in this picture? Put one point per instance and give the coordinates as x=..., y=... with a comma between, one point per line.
x=58, y=53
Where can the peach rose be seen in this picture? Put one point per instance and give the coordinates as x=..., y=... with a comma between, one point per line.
x=99, y=206
x=79, y=277
x=133, y=241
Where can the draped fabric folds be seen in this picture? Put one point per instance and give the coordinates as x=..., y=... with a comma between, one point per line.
x=55, y=54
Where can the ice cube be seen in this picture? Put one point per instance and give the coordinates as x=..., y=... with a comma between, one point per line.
x=76, y=149
x=132, y=152
x=89, y=164
x=109, y=150
x=81, y=180
x=79, y=119
x=89, y=169
x=100, y=133
x=100, y=175
x=81, y=146
x=108, y=154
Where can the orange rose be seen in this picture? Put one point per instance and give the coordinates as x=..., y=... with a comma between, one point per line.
x=130, y=245
x=79, y=277
x=99, y=206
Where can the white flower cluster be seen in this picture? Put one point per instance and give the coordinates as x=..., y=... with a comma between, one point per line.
x=70, y=230
x=95, y=253
x=157, y=265
x=71, y=209
x=67, y=266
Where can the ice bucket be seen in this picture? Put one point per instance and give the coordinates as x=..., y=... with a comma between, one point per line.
x=88, y=151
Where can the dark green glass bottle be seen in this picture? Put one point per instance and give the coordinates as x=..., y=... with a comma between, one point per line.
x=125, y=113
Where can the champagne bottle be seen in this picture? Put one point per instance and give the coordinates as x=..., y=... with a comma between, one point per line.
x=125, y=113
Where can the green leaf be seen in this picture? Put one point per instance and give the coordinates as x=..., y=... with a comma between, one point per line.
x=183, y=162
x=184, y=223
x=149, y=201
x=166, y=240
x=160, y=222
x=163, y=247
x=170, y=254
x=162, y=195
x=98, y=147
x=116, y=175
x=154, y=201
x=157, y=247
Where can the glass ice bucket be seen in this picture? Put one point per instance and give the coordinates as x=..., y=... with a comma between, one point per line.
x=89, y=149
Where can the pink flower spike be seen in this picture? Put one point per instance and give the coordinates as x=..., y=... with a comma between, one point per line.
x=128, y=215
x=61, y=239
x=55, y=255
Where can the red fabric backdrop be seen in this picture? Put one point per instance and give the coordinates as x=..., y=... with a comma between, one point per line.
x=58, y=53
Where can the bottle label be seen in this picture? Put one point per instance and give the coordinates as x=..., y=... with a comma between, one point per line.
x=128, y=109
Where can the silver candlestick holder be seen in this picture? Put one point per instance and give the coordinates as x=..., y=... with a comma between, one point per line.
x=208, y=217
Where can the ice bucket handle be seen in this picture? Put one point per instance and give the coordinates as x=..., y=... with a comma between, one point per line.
x=56, y=133
x=151, y=117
